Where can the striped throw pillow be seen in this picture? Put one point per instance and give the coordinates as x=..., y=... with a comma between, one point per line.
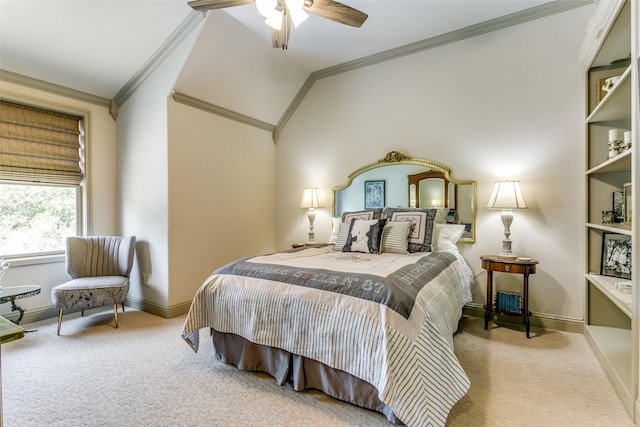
x=395, y=237
x=343, y=234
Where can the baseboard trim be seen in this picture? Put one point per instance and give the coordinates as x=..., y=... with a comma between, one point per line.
x=159, y=310
x=473, y=310
x=37, y=315
x=538, y=320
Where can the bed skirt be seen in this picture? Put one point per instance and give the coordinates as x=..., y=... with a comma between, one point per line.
x=304, y=373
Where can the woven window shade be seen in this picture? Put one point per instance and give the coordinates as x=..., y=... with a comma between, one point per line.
x=38, y=145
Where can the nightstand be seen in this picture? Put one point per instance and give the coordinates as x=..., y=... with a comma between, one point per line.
x=303, y=244
x=524, y=266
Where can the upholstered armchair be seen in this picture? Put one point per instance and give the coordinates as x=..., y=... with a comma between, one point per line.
x=99, y=267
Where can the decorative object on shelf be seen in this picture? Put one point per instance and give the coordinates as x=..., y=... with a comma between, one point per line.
x=374, y=197
x=311, y=200
x=599, y=92
x=626, y=141
x=506, y=195
x=614, y=143
x=508, y=301
x=623, y=287
x=618, y=206
x=610, y=83
x=627, y=203
x=616, y=255
x=608, y=217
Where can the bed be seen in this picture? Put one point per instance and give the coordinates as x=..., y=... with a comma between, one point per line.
x=368, y=319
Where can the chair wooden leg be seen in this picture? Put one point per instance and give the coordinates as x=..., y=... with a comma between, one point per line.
x=123, y=306
x=82, y=312
x=59, y=320
x=115, y=313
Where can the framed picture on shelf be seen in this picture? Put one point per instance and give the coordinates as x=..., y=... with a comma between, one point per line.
x=627, y=203
x=616, y=255
x=600, y=92
x=374, y=194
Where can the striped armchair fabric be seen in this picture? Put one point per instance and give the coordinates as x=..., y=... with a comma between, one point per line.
x=100, y=268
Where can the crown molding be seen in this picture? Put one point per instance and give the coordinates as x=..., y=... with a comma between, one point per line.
x=221, y=111
x=188, y=24
x=30, y=82
x=527, y=15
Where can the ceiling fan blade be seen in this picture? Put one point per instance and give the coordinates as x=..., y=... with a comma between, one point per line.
x=204, y=5
x=280, y=38
x=336, y=12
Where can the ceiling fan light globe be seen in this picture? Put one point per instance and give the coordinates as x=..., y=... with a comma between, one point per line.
x=298, y=17
x=266, y=7
x=296, y=11
x=275, y=20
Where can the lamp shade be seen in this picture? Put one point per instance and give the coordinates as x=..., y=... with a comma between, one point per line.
x=506, y=195
x=311, y=199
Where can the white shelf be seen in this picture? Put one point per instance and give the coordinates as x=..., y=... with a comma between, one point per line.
x=610, y=316
x=607, y=286
x=611, y=228
x=616, y=103
x=614, y=349
x=619, y=163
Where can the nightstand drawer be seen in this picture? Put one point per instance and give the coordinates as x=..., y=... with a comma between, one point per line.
x=504, y=267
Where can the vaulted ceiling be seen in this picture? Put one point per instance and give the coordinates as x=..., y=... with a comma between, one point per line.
x=98, y=46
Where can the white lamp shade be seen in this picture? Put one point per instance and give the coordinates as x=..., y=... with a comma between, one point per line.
x=311, y=199
x=506, y=195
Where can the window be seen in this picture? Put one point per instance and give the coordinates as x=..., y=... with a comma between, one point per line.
x=41, y=174
x=36, y=218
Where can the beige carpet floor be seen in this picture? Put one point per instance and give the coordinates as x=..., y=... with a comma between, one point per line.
x=143, y=374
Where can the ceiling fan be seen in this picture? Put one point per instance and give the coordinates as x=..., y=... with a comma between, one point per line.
x=279, y=14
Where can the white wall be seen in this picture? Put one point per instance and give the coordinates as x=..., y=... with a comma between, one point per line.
x=100, y=138
x=507, y=104
x=196, y=189
x=221, y=196
x=143, y=178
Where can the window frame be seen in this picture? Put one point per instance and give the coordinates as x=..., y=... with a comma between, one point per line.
x=83, y=219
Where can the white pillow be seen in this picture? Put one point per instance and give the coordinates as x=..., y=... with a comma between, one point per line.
x=395, y=237
x=335, y=227
x=446, y=236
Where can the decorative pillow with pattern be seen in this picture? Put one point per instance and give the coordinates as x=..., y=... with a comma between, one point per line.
x=395, y=237
x=422, y=220
x=364, y=236
x=368, y=214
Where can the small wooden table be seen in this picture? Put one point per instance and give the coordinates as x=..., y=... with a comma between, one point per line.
x=12, y=293
x=522, y=266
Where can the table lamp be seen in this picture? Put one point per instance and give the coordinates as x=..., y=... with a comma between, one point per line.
x=311, y=200
x=506, y=195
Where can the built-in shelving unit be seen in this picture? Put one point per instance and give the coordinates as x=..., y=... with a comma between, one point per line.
x=610, y=312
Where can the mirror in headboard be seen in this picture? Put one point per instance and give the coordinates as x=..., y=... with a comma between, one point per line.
x=411, y=182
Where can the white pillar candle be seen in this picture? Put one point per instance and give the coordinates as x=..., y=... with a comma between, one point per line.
x=627, y=137
x=613, y=135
